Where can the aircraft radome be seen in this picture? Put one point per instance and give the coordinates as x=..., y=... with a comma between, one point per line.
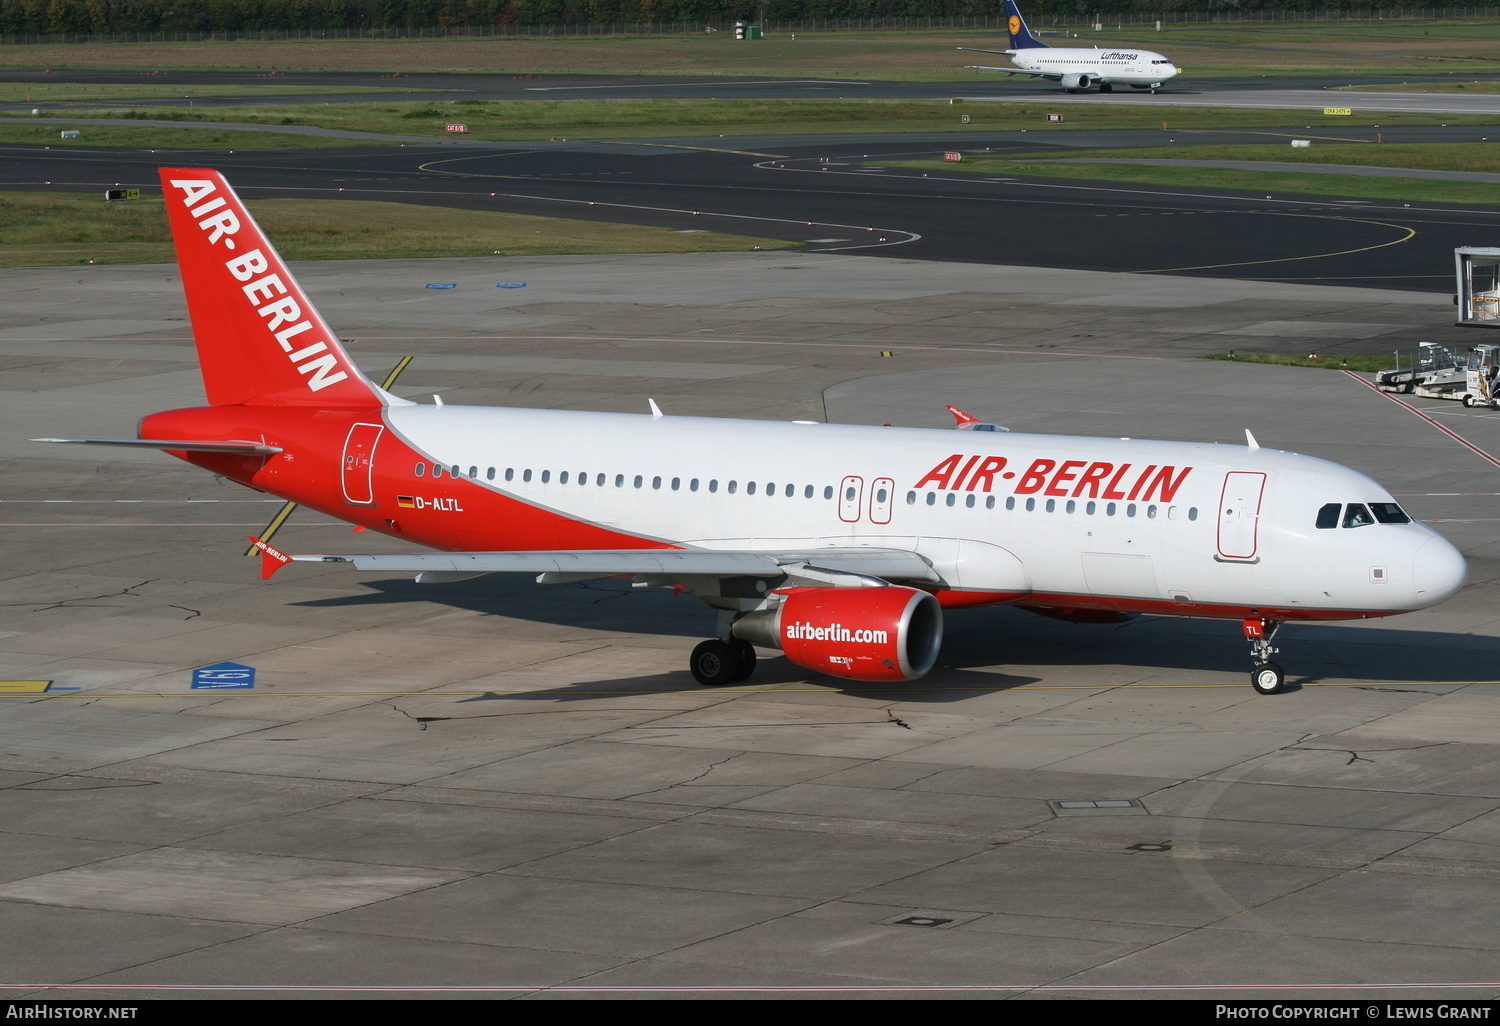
x=838, y=545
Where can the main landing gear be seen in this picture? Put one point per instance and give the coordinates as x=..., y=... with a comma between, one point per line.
x=716, y=663
x=1267, y=678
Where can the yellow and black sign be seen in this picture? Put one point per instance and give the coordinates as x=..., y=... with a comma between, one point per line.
x=1340, y=111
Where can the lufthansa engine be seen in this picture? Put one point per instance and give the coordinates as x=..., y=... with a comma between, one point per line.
x=867, y=634
x=1073, y=83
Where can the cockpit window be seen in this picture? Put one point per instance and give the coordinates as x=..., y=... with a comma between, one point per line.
x=1328, y=516
x=1356, y=515
x=1389, y=513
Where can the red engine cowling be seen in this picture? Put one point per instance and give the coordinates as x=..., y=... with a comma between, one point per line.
x=868, y=634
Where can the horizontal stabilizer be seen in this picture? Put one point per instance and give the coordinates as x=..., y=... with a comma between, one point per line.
x=175, y=445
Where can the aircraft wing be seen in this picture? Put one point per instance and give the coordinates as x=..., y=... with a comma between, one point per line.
x=1009, y=71
x=577, y=565
x=243, y=448
x=1015, y=71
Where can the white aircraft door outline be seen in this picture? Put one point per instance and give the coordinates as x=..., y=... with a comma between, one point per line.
x=881, y=493
x=851, y=492
x=359, y=463
x=1239, y=514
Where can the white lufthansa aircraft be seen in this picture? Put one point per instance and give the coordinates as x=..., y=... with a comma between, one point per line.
x=838, y=545
x=1077, y=68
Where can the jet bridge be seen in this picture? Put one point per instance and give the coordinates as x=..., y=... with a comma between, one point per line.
x=1478, y=291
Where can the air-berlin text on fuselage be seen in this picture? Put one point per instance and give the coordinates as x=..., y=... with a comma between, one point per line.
x=804, y=631
x=221, y=222
x=1092, y=479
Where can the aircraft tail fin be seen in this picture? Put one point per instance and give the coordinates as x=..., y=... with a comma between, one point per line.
x=260, y=340
x=1020, y=36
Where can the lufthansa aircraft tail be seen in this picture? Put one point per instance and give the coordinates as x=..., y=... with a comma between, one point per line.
x=261, y=342
x=1020, y=36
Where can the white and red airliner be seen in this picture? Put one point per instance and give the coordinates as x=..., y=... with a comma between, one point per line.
x=838, y=545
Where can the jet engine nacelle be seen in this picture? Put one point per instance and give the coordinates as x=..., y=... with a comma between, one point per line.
x=869, y=634
x=1073, y=83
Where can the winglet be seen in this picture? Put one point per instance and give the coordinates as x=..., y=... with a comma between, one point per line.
x=960, y=416
x=271, y=559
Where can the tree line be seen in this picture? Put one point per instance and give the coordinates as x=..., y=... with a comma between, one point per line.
x=396, y=17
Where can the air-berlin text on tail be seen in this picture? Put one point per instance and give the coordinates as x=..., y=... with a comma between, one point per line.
x=1093, y=479
x=283, y=317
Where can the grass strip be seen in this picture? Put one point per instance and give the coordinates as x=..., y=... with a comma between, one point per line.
x=1260, y=49
x=154, y=137
x=1368, y=364
x=517, y=120
x=1445, y=157
x=44, y=229
x=45, y=92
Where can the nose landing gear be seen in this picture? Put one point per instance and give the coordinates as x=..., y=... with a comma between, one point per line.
x=1267, y=677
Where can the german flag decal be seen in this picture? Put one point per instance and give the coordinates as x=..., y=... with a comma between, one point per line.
x=406, y=502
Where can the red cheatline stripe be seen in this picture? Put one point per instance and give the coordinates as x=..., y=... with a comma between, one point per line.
x=1457, y=438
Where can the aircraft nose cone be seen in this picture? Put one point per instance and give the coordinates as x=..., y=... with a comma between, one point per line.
x=1439, y=572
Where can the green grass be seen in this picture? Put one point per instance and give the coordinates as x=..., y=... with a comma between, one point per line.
x=515, y=120
x=1443, y=156
x=1422, y=156
x=1355, y=363
x=1237, y=48
x=46, y=92
x=1428, y=87
x=41, y=229
x=152, y=137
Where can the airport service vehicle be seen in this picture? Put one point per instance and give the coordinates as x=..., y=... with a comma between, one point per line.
x=1078, y=68
x=1436, y=372
x=838, y=545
